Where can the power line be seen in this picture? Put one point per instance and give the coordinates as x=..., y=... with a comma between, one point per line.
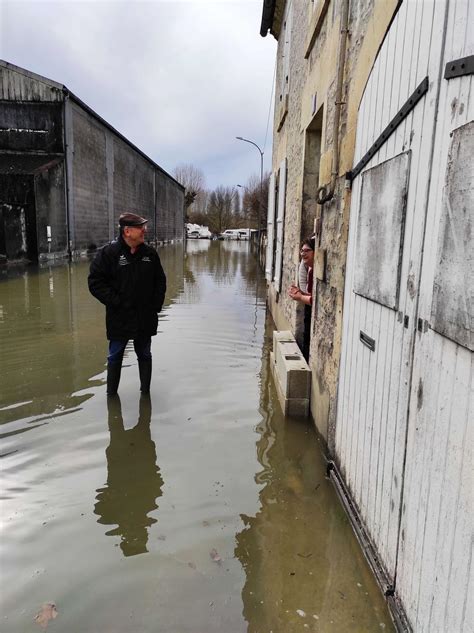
x=271, y=103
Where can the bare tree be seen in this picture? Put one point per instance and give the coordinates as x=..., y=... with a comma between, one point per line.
x=201, y=201
x=252, y=202
x=192, y=179
x=220, y=214
x=237, y=211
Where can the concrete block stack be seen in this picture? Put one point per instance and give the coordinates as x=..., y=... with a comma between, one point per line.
x=291, y=374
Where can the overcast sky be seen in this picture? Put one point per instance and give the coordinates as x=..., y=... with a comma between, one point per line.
x=179, y=79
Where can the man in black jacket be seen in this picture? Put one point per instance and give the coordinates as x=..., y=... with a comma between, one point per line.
x=127, y=277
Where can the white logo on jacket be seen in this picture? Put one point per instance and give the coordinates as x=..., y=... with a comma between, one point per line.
x=123, y=260
x=146, y=259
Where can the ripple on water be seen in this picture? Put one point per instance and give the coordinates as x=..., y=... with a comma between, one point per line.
x=204, y=512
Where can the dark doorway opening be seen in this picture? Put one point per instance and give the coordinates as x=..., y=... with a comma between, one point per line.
x=310, y=211
x=18, y=235
x=312, y=158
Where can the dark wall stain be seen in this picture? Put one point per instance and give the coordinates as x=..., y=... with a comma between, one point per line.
x=31, y=127
x=419, y=395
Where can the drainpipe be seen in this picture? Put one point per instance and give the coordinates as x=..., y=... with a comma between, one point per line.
x=326, y=192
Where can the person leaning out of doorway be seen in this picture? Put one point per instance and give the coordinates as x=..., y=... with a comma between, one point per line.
x=127, y=277
x=304, y=296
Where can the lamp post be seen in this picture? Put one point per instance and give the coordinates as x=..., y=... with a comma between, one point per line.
x=247, y=190
x=260, y=206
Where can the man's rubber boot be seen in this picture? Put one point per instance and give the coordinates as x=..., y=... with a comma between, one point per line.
x=113, y=377
x=144, y=368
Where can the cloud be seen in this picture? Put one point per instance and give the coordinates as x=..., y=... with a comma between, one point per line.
x=180, y=79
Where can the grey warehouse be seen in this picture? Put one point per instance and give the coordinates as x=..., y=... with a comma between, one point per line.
x=66, y=175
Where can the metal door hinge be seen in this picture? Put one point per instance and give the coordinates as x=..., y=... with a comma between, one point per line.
x=423, y=325
x=459, y=67
x=404, y=111
x=367, y=341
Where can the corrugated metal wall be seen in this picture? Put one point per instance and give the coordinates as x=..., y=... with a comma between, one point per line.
x=402, y=440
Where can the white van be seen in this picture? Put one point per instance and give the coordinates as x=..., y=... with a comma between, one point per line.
x=235, y=234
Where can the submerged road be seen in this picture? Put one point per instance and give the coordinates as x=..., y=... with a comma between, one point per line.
x=201, y=509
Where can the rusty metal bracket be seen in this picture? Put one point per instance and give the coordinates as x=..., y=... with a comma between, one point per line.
x=404, y=111
x=459, y=67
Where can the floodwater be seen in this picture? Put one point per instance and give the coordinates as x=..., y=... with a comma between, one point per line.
x=201, y=509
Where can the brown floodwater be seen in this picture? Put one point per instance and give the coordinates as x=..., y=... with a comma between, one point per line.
x=201, y=509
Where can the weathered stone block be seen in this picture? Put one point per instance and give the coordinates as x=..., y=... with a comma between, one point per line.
x=291, y=374
x=296, y=407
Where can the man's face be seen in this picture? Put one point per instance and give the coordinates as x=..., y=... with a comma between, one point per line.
x=135, y=234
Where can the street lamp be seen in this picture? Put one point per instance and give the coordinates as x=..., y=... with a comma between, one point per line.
x=260, y=206
x=247, y=190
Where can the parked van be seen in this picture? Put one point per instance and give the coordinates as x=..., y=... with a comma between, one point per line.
x=235, y=234
x=196, y=231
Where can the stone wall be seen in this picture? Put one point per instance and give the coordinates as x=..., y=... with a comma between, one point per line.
x=311, y=105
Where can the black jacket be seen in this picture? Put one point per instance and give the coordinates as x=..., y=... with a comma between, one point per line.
x=132, y=288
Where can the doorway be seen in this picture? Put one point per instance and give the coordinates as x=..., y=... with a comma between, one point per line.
x=18, y=239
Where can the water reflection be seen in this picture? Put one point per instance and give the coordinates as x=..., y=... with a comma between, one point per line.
x=222, y=263
x=197, y=246
x=134, y=481
x=223, y=260
x=302, y=564
x=259, y=499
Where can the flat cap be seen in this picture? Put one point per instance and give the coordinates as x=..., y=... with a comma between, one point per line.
x=131, y=219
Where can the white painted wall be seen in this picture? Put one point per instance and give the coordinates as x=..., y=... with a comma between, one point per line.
x=406, y=453
x=434, y=576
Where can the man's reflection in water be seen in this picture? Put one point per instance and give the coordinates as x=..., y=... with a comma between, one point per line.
x=134, y=481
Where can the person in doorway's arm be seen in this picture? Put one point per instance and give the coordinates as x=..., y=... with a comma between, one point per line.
x=127, y=277
x=305, y=296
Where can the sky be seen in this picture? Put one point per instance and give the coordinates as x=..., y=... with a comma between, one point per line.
x=179, y=79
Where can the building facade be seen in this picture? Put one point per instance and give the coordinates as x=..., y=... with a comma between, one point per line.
x=66, y=175
x=322, y=69
x=372, y=136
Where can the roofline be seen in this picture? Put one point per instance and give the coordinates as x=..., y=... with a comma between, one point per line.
x=90, y=111
x=268, y=13
x=68, y=94
x=30, y=74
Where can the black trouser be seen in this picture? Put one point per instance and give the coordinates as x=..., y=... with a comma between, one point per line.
x=307, y=331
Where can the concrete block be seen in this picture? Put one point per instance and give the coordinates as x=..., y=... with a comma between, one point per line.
x=283, y=336
x=292, y=369
x=299, y=382
x=294, y=376
x=295, y=407
x=291, y=374
x=287, y=350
